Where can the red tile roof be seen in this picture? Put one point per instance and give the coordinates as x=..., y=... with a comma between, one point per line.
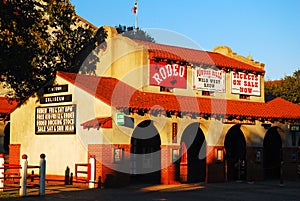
x=120, y=95
x=196, y=56
x=7, y=105
x=273, y=82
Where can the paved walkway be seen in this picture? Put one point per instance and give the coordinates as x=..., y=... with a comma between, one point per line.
x=233, y=191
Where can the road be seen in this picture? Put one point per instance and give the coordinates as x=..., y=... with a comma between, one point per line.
x=232, y=191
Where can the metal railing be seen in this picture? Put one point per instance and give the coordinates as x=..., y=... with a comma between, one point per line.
x=16, y=177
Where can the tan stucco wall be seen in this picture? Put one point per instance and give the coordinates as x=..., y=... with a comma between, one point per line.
x=214, y=130
x=125, y=60
x=61, y=150
x=128, y=61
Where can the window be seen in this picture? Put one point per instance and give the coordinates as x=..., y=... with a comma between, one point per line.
x=118, y=155
x=208, y=93
x=166, y=89
x=175, y=155
x=244, y=97
x=219, y=155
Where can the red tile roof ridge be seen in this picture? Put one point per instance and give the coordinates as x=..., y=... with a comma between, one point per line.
x=273, y=81
x=167, y=45
x=207, y=57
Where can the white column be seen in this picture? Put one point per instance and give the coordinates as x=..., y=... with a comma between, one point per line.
x=42, y=174
x=23, y=174
x=92, y=172
x=1, y=171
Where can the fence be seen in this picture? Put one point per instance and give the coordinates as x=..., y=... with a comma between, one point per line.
x=14, y=176
x=86, y=172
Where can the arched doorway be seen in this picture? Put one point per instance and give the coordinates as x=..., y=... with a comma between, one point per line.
x=272, y=153
x=193, y=155
x=145, y=157
x=235, y=146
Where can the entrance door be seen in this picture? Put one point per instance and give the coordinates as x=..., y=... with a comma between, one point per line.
x=145, y=153
x=193, y=156
x=272, y=154
x=235, y=146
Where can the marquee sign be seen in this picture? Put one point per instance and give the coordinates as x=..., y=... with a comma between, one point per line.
x=246, y=84
x=56, y=89
x=55, y=120
x=208, y=79
x=168, y=75
x=56, y=99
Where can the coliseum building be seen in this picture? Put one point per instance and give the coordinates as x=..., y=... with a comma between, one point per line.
x=163, y=114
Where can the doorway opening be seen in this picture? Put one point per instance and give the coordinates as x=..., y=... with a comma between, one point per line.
x=193, y=155
x=272, y=154
x=235, y=146
x=145, y=154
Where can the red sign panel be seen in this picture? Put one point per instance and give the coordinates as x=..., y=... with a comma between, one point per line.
x=167, y=75
x=174, y=132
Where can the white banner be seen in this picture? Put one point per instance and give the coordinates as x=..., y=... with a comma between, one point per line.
x=208, y=79
x=246, y=84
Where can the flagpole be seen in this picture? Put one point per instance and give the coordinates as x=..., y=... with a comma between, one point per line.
x=136, y=17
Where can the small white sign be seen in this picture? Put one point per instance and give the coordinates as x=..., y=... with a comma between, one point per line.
x=120, y=118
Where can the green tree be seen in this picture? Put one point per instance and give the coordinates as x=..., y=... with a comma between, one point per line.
x=287, y=88
x=38, y=38
x=130, y=32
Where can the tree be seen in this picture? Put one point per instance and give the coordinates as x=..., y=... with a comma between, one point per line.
x=286, y=88
x=38, y=38
x=130, y=32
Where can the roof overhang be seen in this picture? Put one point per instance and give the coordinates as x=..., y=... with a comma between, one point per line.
x=97, y=123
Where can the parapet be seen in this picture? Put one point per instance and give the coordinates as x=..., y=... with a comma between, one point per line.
x=227, y=51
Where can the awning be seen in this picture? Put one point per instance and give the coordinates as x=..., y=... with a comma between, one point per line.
x=104, y=122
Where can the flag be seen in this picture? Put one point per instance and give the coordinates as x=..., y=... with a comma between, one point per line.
x=134, y=8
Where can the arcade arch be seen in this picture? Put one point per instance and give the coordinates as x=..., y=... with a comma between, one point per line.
x=235, y=148
x=272, y=153
x=193, y=155
x=145, y=154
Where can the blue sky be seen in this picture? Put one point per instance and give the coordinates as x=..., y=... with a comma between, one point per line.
x=268, y=30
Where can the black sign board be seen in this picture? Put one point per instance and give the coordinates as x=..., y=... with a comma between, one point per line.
x=295, y=128
x=56, y=99
x=55, y=120
x=56, y=89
